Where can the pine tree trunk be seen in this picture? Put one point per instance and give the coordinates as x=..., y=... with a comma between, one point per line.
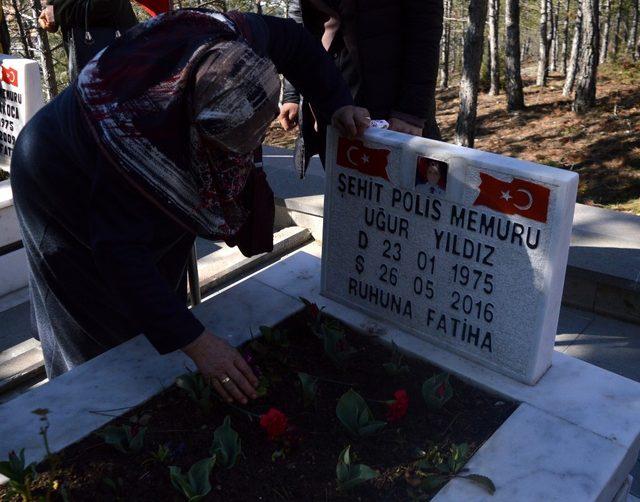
x=494, y=16
x=549, y=34
x=616, y=36
x=572, y=69
x=565, y=37
x=604, y=46
x=44, y=52
x=554, y=38
x=542, y=56
x=633, y=37
x=445, y=45
x=471, y=60
x=23, y=35
x=513, y=78
x=585, y=97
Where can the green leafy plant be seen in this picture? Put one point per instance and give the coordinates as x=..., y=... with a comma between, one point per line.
x=198, y=389
x=20, y=476
x=226, y=444
x=436, y=469
x=124, y=438
x=436, y=391
x=356, y=416
x=263, y=386
x=336, y=346
x=350, y=475
x=275, y=337
x=161, y=455
x=396, y=366
x=115, y=486
x=309, y=387
x=53, y=460
x=194, y=485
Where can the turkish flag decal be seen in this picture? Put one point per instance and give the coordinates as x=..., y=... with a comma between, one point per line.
x=154, y=7
x=10, y=76
x=518, y=196
x=352, y=154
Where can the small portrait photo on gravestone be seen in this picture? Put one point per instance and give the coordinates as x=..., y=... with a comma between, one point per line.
x=431, y=176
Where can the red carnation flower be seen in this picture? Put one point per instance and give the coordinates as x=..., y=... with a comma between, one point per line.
x=398, y=407
x=274, y=422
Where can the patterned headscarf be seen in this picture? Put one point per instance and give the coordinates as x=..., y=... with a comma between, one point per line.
x=178, y=104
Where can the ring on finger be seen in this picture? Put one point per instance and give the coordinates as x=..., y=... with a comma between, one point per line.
x=225, y=380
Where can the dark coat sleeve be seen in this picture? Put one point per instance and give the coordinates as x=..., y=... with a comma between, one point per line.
x=423, y=29
x=289, y=93
x=303, y=62
x=116, y=13
x=123, y=228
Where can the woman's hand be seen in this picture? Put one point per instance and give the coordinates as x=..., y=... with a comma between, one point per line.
x=405, y=127
x=224, y=367
x=46, y=20
x=351, y=121
x=288, y=117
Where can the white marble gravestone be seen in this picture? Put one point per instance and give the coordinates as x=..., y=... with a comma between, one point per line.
x=463, y=248
x=20, y=99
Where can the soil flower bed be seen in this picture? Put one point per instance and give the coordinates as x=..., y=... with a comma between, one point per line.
x=340, y=417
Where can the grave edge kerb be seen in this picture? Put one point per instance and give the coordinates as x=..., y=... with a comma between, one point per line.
x=292, y=311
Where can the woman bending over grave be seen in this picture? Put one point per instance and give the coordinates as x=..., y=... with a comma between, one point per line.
x=150, y=147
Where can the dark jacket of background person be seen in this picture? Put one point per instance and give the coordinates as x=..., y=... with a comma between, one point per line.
x=112, y=13
x=387, y=51
x=70, y=14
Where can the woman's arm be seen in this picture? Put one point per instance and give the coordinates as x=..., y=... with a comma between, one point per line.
x=122, y=230
x=302, y=60
x=123, y=225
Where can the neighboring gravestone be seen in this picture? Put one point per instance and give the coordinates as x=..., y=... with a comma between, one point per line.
x=20, y=99
x=463, y=248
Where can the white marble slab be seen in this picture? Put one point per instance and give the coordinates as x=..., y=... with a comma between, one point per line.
x=130, y=374
x=472, y=261
x=9, y=230
x=20, y=99
x=14, y=271
x=542, y=458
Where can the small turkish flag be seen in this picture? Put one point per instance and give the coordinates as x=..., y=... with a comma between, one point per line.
x=352, y=154
x=10, y=76
x=518, y=196
x=155, y=7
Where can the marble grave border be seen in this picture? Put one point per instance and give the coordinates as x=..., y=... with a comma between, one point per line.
x=574, y=437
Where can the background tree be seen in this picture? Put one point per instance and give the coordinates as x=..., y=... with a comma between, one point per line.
x=606, y=22
x=445, y=46
x=572, y=69
x=494, y=63
x=470, y=79
x=543, y=56
x=513, y=78
x=565, y=36
x=585, y=97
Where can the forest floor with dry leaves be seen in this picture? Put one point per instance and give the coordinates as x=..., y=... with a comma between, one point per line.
x=603, y=146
